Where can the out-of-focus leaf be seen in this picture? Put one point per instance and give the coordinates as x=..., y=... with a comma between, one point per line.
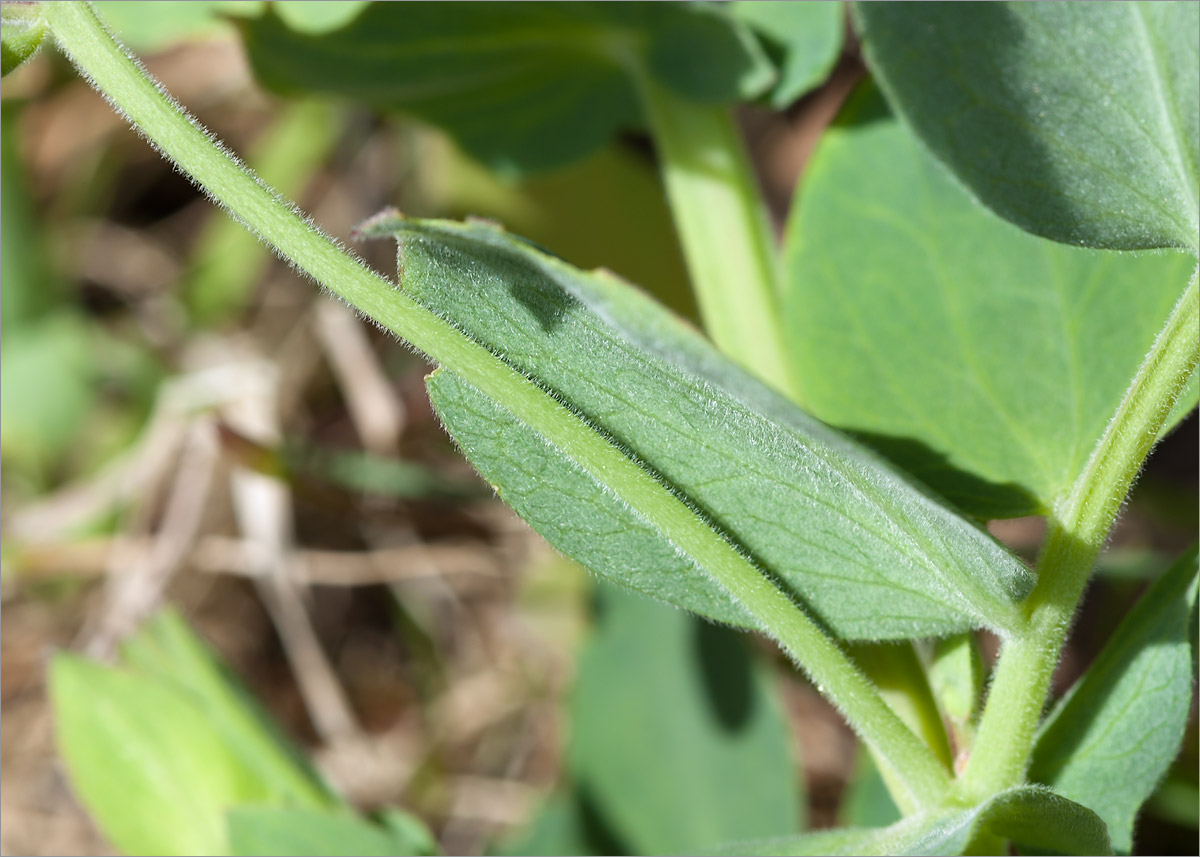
x=809, y=35
x=985, y=361
x=676, y=733
x=318, y=16
x=867, y=802
x=827, y=520
x=1076, y=121
x=1110, y=740
x=145, y=761
x=31, y=287
x=47, y=371
x=159, y=749
x=167, y=650
x=287, y=832
x=1031, y=816
x=567, y=823
x=521, y=86
x=22, y=29
x=153, y=25
x=373, y=474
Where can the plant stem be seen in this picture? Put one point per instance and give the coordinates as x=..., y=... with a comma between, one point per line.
x=897, y=672
x=723, y=229
x=98, y=56
x=1077, y=534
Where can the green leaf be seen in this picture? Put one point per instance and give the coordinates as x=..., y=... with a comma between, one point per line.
x=866, y=801
x=154, y=25
x=291, y=832
x=307, y=16
x=145, y=761
x=31, y=286
x=1113, y=736
x=567, y=823
x=677, y=733
x=1076, y=121
x=159, y=749
x=22, y=29
x=521, y=86
x=868, y=553
x=983, y=360
x=1031, y=816
x=167, y=650
x=809, y=35
x=47, y=374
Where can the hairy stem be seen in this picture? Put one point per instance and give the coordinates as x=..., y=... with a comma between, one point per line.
x=98, y=56
x=1077, y=534
x=723, y=229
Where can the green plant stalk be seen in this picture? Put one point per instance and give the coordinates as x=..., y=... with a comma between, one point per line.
x=898, y=673
x=226, y=261
x=1082, y=521
x=723, y=230
x=114, y=74
x=733, y=263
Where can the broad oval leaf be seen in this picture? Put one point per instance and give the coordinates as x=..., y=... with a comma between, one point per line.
x=693, y=748
x=521, y=86
x=983, y=360
x=1076, y=121
x=1031, y=816
x=868, y=553
x=1109, y=741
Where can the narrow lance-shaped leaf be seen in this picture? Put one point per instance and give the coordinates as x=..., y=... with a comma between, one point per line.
x=1076, y=121
x=984, y=360
x=521, y=86
x=145, y=761
x=1031, y=816
x=1110, y=740
x=868, y=553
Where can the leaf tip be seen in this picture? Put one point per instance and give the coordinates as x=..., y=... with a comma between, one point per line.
x=381, y=225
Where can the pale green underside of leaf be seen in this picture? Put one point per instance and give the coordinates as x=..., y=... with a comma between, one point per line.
x=870, y=555
x=1031, y=816
x=1076, y=121
x=983, y=360
x=809, y=34
x=521, y=86
x=1111, y=739
x=677, y=733
x=292, y=832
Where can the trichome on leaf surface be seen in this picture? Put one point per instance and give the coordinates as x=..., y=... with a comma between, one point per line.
x=947, y=335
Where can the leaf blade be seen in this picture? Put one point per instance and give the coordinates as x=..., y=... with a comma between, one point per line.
x=694, y=748
x=293, y=832
x=1112, y=737
x=1032, y=816
x=1002, y=399
x=523, y=87
x=720, y=451
x=1078, y=122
